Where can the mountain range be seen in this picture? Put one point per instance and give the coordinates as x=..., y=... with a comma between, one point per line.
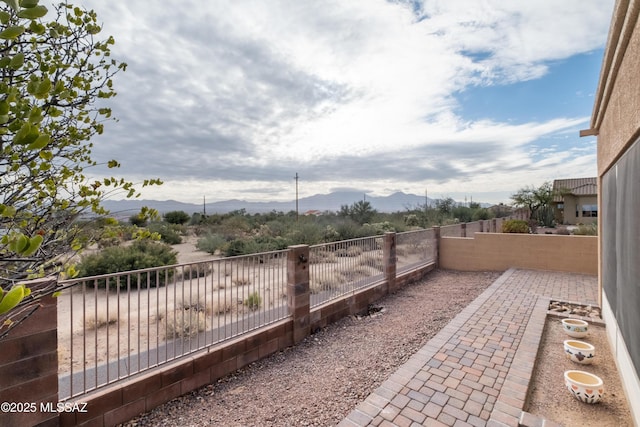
x=396, y=202
x=319, y=202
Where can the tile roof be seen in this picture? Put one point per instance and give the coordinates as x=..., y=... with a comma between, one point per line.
x=575, y=187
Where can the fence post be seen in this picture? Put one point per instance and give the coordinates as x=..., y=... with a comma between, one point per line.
x=495, y=225
x=436, y=235
x=298, y=295
x=390, y=259
x=463, y=229
x=481, y=226
x=29, y=365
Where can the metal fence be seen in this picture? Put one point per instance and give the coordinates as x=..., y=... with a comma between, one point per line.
x=414, y=248
x=117, y=325
x=340, y=268
x=113, y=326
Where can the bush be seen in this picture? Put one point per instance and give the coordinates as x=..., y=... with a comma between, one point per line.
x=253, y=301
x=141, y=254
x=210, y=243
x=184, y=323
x=586, y=230
x=515, y=226
x=167, y=233
x=177, y=217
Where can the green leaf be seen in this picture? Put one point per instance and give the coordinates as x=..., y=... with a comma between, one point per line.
x=40, y=142
x=17, y=61
x=43, y=88
x=46, y=155
x=11, y=33
x=5, y=61
x=33, y=13
x=4, y=17
x=13, y=4
x=37, y=28
x=29, y=3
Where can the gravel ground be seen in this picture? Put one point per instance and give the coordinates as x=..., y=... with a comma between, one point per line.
x=550, y=399
x=318, y=382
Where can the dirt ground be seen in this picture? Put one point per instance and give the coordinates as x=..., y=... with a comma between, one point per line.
x=550, y=399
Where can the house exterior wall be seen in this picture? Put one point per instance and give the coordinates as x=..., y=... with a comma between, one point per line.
x=616, y=121
x=572, y=212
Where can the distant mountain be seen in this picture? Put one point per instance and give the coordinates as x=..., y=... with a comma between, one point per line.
x=332, y=202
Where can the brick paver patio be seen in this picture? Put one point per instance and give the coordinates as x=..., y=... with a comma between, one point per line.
x=476, y=370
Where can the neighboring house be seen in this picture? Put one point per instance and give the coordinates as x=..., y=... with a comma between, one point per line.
x=575, y=200
x=616, y=123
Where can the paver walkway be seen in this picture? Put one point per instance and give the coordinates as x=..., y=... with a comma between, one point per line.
x=476, y=370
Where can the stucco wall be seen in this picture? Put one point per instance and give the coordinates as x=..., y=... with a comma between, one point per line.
x=500, y=251
x=616, y=122
x=617, y=114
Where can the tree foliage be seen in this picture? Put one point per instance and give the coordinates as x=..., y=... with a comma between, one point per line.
x=56, y=78
x=536, y=200
x=361, y=212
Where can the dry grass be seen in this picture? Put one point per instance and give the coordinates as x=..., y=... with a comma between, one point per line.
x=101, y=318
x=184, y=323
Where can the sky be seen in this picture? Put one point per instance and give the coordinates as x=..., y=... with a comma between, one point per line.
x=456, y=98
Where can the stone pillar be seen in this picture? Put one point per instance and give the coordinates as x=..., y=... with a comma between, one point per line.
x=389, y=259
x=436, y=235
x=481, y=226
x=463, y=229
x=298, y=294
x=29, y=366
x=495, y=225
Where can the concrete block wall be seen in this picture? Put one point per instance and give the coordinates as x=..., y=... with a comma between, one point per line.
x=500, y=251
x=123, y=401
x=29, y=368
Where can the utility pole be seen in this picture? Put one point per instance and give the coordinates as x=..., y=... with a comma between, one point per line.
x=297, y=213
x=204, y=205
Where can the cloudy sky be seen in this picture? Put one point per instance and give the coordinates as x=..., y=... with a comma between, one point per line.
x=230, y=99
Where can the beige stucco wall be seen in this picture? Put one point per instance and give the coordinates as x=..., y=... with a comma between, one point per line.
x=500, y=251
x=616, y=121
x=617, y=113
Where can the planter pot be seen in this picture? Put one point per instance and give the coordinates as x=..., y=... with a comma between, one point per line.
x=575, y=328
x=579, y=351
x=584, y=386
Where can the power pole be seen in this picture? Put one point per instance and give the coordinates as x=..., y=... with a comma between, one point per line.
x=204, y=205
x=297, y=213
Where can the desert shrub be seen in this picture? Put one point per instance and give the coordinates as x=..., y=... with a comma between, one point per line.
x=210, y=243
x=139, y=255
x=372, y=260
x=563, y=231
x=351, y=274
x=254, y=245
x=586, y=230
x=184, y=323
x=325, y=283
x=322, y=255
x=177, y=217
x=306, y=233
x=138, y=220
x=222, y=306
x=354, y=251
x=515, y=226
x=193, y=271
x=167, y=233
x=253, y=301
x=102, y=318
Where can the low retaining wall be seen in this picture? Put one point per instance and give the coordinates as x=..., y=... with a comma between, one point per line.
x=501, y=251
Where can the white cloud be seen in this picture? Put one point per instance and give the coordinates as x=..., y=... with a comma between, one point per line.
x=230, y=99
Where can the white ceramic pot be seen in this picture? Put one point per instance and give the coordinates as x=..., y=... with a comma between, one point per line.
x=575, y=328
x=579, y=351
x=584, y=386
